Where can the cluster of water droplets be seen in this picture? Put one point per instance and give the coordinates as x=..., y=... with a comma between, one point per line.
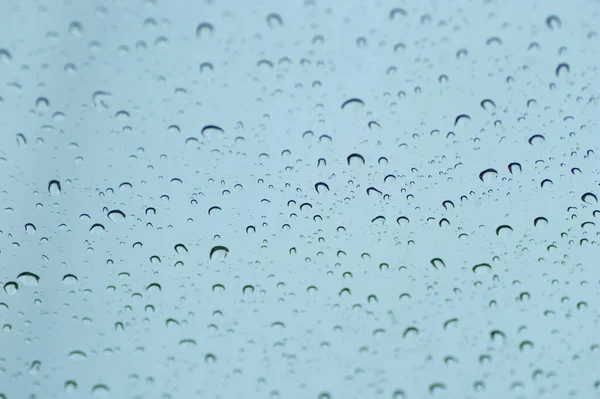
x=315, y=199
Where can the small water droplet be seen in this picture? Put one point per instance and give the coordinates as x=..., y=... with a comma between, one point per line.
x=54, y=187
x=11, y=288
x=70, y=386
x=77, y=355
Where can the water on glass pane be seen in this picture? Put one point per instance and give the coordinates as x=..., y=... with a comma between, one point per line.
x=299, y=199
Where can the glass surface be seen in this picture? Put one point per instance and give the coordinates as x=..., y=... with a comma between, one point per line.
x=299, y=199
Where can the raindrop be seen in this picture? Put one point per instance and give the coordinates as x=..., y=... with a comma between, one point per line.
x=187, y=343
x=589, y=198
x=69, y=279
x=54, y=187
x=204, y=29
x=462, y=117
x=321, y=185
x=99, y=99
x=153, y=288
x=77, y=355
x=76, y=29
x=353, y=103
x=563, y=67
x=5, y=56
x=218, y=288
x=450, y=322
x=116, y=216
x=397, y=12
x=410, y=331
x=482, y=268
x=214, y=210
x=70, y=386
x=487, y=103
x=11, y=288
x=274, y=20
x=30, y=228
x=181, y=249
x=373, y=191
x=514, y=168
x=504, y=230
x=435, y=387
x=355, y=159
x=536, y=139
x=437, y=263
x=212, y=132
x=100, y=391
x=42, y=104
x=28, y=279
x=540, y=221
x=402, y=220
x=97, y=228
x=553, y=22
x=219, y=252
x=488, y=174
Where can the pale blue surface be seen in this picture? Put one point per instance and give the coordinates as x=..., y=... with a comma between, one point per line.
x=98, y=94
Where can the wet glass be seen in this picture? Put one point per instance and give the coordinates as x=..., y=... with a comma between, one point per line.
x=299, y=199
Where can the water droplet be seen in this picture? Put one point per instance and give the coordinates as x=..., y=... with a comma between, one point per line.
x=323, y=186
x=116, y=216
x=11, y=288
x=553, y=22
x=462, y=117
x=187, y=343
x=354, y=104
x=77, y=355
x=76, y=29
x=218, y=253
x=97, y=228
x=209, y=358
x=99, y=99
x=589, y=198
x=69, y=279
x=482, y=268
x=212, y=132
x=181, y=249
x=504, y=230
x=70, y=386
x=540, y=222
x=42, y=104
x=100, y=391
x=28, y=279
x=30, y=228
x=562, y=68
x=5, y=56
x=437, y=263
x=153, y=288
x=515, y=168
x=204, y=29
x=54, y=187
x=214, y=210
x=355, y=159
x=536, y=139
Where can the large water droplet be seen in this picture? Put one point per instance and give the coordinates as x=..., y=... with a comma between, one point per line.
x=218, y=253
x=116, y=216
x=28, y=279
